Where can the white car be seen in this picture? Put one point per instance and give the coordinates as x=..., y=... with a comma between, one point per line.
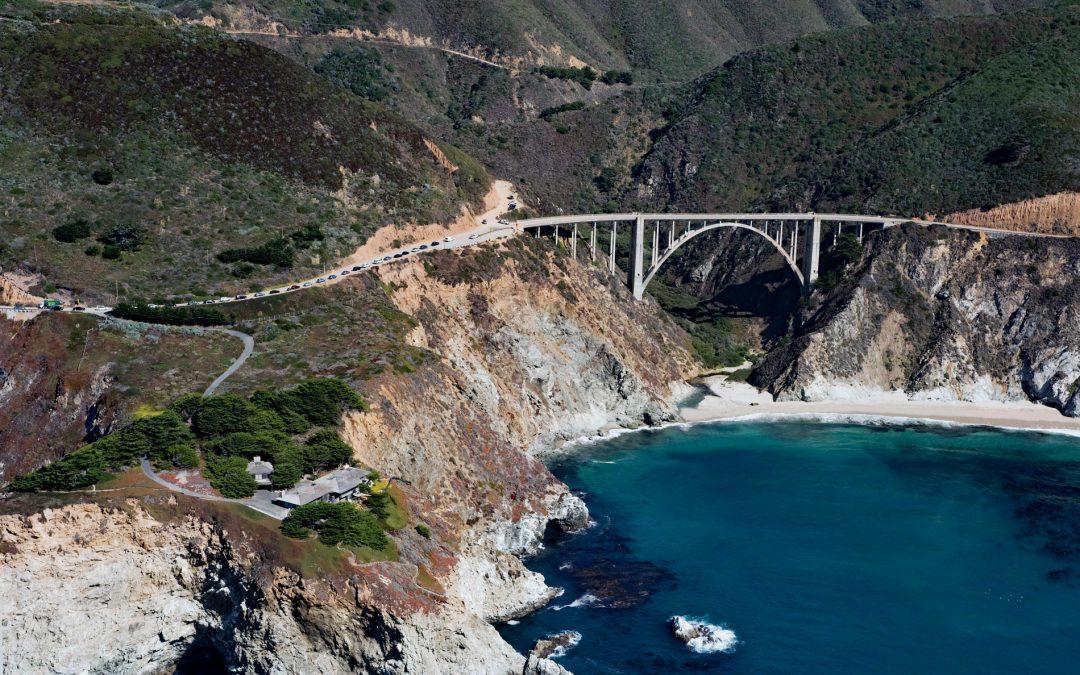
x=448, y=239
x=223, y=299
x=474, y=236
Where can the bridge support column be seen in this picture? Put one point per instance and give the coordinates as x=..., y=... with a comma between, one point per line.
x=811, y=254
x=636, y=273
x=611, y=256
x=592, y=243
x=573, y=242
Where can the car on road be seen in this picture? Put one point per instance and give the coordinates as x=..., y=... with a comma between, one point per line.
x=332, y=276
x=320, y=280
x=434, y=243
x=78, y=308
x=484, y=221
x=357, y=268
x=294, y=287
x=241, y=297
x=274, y=292
x=423, y=247
x=224, y=299
x=207, y=302
x=414, y=249
x=259, y=295
x=474, y=235
x=448, y=239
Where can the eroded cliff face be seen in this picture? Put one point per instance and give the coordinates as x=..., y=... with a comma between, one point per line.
x=947, y=315
x=525, y=347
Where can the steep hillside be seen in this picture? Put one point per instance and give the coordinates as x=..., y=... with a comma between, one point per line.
x=899, y=118
x=942, y=314
x=666, y=39
x=469, y=360
x=156, y=148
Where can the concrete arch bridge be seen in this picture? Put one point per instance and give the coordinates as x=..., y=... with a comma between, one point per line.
x=655, y=237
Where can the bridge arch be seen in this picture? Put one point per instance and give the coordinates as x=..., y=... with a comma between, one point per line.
x=720, y=225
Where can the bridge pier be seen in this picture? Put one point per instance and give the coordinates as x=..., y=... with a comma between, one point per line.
x=635, y=276
x=811, y=255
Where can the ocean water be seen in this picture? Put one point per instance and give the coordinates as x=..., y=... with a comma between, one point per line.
x=824, y=548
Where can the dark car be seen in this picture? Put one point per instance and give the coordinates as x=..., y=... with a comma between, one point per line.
x=241, y=297
x=356, y=268
x=78, y=308
x=294, y=287
x=274, y=292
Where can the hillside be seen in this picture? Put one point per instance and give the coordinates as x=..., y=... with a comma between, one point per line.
x=903, y=118
x=657, y=39
x=157, y=147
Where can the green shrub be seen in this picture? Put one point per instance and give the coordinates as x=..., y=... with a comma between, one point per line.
x=318, y=402
x=102, y=176
x=617, y=77
x=177, y=316
x=584, y=76
x=220, y=415
x=423, y=531
x=339, y=523
x=73, y=231
x=325, y=450
x=123, y=238
x=277, y=252
x=565, y=107
x=229, y=476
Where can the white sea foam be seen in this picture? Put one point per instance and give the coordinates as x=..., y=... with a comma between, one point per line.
x=702, y=637
x=572, y=638
x=587, y=600
x=565, y=566
x=512, y=622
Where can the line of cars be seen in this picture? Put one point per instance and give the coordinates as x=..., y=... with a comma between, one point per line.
x=320, y=280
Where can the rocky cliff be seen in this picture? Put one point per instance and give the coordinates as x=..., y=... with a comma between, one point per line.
x=517, y=347
x=943, y=314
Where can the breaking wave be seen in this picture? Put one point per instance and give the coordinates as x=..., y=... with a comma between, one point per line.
x=587, y=600
x=702, y=637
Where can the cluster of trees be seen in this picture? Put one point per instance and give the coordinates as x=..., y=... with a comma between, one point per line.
x=585, y=76
x=278, y=251
x=120, y=239
x=72, y=231
x=835, y=261
x=338, y=523
x=233, y=430
x=360, y=70
x=165, y=439
x=230, y=431
x=565, y=107
x=180, y=316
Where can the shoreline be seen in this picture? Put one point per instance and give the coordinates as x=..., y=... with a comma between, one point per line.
x=738, y=401
x=732, y=402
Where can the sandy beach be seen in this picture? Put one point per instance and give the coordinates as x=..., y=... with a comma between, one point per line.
x=734, y=400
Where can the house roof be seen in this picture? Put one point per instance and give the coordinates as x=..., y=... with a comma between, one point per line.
x=260, y=467
x=336, y=482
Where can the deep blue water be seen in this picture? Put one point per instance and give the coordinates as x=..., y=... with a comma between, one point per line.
x=826, y=548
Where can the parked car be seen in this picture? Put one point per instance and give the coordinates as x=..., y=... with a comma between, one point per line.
x=294, y=287
x=274, y=292
x=241, y=297
x=78, y=308
x=357, y=268
x=333, y=276
x=434, y=243
x=224, y=299
x=448, y=239
x=306, y=284
x=259, y=294
x=320, y=280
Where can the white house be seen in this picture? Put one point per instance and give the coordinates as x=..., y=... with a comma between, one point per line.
x=260, y=470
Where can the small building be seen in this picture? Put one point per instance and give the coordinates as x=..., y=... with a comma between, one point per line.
x=260, y=470
x=342, y=484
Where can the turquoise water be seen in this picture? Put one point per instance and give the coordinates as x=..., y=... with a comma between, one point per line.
x=826, y=548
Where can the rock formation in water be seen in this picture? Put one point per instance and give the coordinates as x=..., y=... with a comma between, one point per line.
x=942, y=314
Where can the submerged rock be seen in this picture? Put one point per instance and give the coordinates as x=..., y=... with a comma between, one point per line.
x=702, y=637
